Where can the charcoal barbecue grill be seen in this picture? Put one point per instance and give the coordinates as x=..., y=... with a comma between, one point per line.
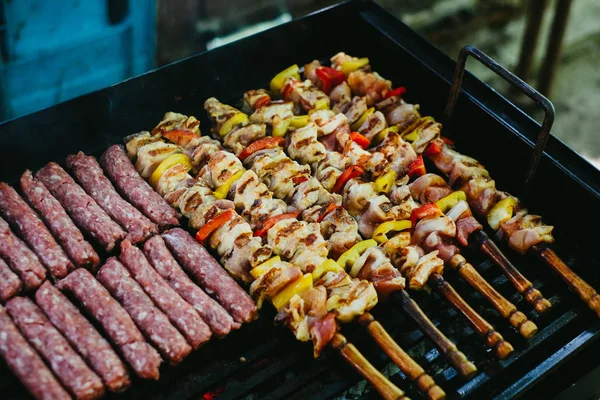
x=261, y=361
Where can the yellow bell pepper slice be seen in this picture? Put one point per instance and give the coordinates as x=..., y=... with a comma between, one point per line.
x=279, y=80
x=363, y=118
x=380, y=233
x=281, y=128
x=299, y=121
x=221, y=191
x=298, y=287
x=239, y=118
x=411, y=137
x=322, y=104
x=264, y=267
x=349, y=257
x=383, y=134
x=446, y=203
x=173, y=159
x=350, y=66
x=328, y=265
x=385, y=182
x=501, y=212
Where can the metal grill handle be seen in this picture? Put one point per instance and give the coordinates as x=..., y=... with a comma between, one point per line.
x=540, y=99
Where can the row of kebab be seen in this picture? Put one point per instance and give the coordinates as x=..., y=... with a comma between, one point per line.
x=314, y=196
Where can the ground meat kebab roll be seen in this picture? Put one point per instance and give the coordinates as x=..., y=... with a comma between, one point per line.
x=90, y=176
x=135, y=189
x=83, y=337
x=220, y=322
x=58, y=221
x=206, y=270
x=10, y=284
x=20, y=258
x=32, y=230
x=181, y=314
x=26, y=364
x=86, y=213
x=149, y=319
x=115, y=321
x=67, y=365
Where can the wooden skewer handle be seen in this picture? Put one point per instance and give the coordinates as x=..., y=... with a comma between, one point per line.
x=350, y=353
x=493, y=339
x=506, y=309
x=455, y=357
x=583, y=289
x=518, y=280
x=410, y=367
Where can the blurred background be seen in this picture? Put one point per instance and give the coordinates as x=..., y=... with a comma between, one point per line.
x=53, y=51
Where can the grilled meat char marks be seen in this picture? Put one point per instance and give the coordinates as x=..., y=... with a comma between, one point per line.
x=82, y=208
x=89, y=174
x=67, y=365
x=115, y=321
x=58, y=221
x=26, y=364
x=30, y=227
x=83, y=337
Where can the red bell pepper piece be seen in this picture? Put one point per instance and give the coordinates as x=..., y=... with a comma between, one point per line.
x=428, y=210
x=298, y=179
x=180, y=137
x=329, y=78
x=331, y=207
x=447, y=140
x=351, y=172
x=268, y=224
x=261, y=144
x=416, y=168
x=263, y=101
x=287, y=90
x=213, y=224
x=433, y=149
x=396, y=92
x=362, y=140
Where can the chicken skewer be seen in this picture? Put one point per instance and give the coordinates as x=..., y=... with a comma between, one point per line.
x=523, y=232
x=296, y=241
x=400, y=155
x=197, y=202
x=230, y=123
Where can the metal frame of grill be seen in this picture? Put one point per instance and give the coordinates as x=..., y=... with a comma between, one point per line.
x=262, y=361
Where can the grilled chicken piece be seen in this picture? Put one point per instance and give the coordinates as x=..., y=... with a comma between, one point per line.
x=310, y=72
x=307, y=317
x=340, y=58
x=219, y=113
x=374, y=124
x=417, y=267
x=374, y=163
x=256, y=200
x=341, y=98
x=441, y=225
x=329, y=169
x=298, y=241
x=374, y=266
x=304, y=146
x=152, y=154
x=401, y=114
x=252, y=97
x=273, y=281
x=429, y=188
x=311, y=192
x=240, y=138
x=337, y=227
x=304, y=95
x=176, y=121
x=172, y=179
x=135, y=141
x=275, y=115
x=278, y=171
x=220, y=168
x=349, y=300
x=398, y=153
x=525, y=230
x=356, y=110
x=369, y=85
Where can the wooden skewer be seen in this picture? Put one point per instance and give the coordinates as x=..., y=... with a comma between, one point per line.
x=506, y=309
x=583, y=289
x=414, y=371
x=522, y=284
x=350, y=353
x=493, y=339
x=455, y=357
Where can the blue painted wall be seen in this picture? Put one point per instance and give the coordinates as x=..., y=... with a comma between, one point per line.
x=51, y=51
